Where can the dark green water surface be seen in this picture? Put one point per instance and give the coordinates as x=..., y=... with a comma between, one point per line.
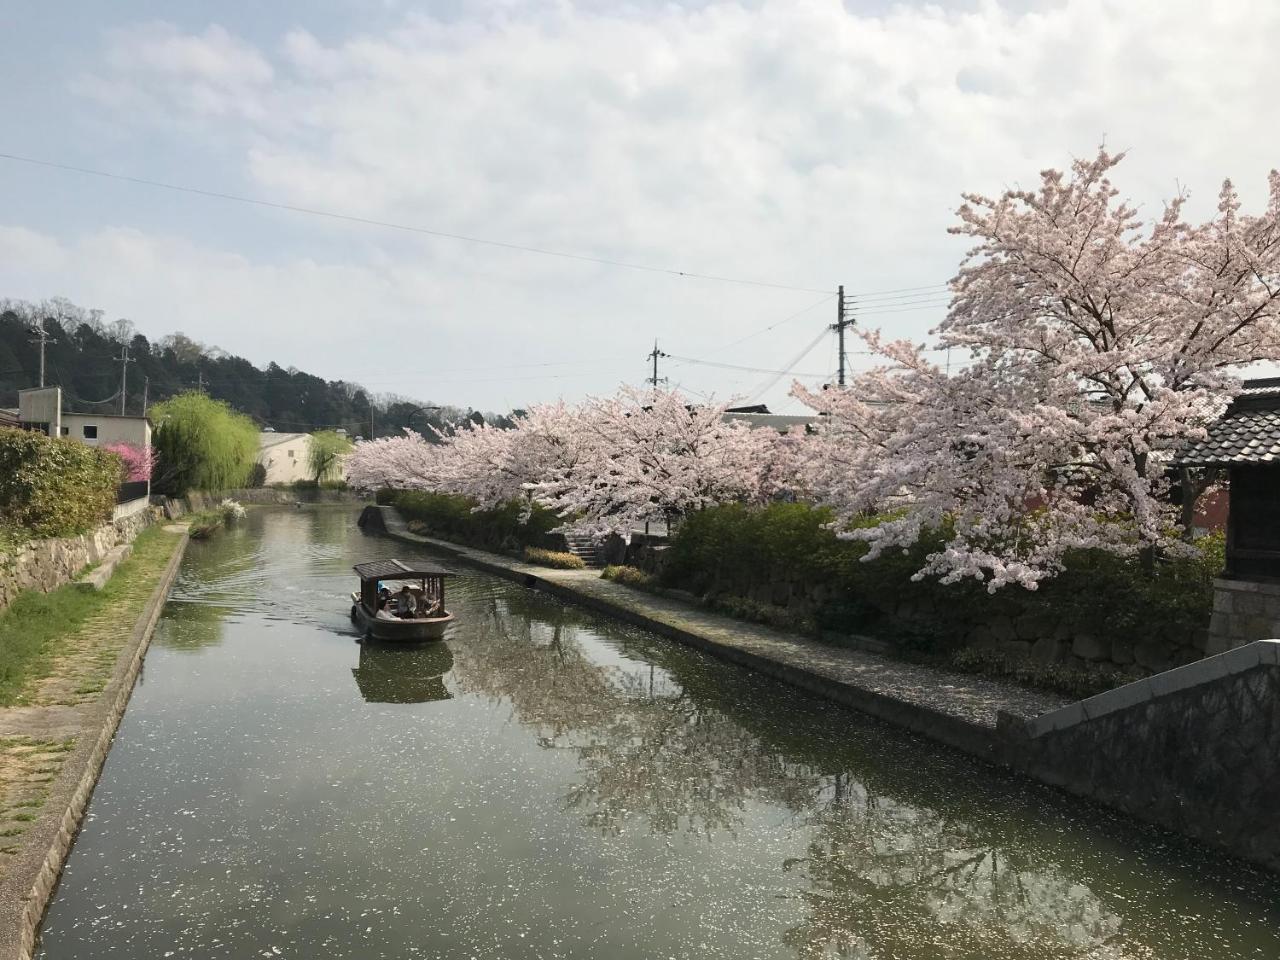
x=548, y=783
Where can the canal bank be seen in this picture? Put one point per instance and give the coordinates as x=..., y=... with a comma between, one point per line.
x=1190, y=750
x=57, y=742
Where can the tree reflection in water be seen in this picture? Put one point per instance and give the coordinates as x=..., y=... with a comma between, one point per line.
x=880, y=877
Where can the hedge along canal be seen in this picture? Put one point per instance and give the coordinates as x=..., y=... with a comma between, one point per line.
x=550, y=783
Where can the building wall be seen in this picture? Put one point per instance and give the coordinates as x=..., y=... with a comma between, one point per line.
x=285, y=456
x=41, y=405
x=134, y=430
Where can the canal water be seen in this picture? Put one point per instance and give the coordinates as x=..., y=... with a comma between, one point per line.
x=548, y=783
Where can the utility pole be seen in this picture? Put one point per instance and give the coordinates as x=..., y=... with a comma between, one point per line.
x=371, y=418
x=844, y=319
x=42, y=338
x=146, y=389
x=125, y=360
x=200, y=380
x=655, y=379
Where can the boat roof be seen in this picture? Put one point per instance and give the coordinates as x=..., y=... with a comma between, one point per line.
x=394, y=570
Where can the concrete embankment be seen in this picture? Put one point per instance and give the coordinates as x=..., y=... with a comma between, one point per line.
x=1191, y=749
x=85, y=730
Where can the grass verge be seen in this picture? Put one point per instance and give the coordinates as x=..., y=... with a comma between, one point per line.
x=39, y=628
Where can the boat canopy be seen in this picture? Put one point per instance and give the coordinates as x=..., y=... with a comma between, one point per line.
x=395, y=570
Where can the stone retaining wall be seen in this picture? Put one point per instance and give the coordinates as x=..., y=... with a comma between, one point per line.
x=1192, y=750
x=47, y=564
x=1243, y=611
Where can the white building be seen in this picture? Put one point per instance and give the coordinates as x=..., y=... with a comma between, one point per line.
x=41, y=409
x=286, y=456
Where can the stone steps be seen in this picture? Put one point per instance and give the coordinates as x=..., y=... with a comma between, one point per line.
x=584, y=548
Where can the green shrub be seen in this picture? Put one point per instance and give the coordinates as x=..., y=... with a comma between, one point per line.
x=629, y=577
x=451, y=517
x=731, y=550
x=202, y=445
x=554, y=558
x=54, y=487
x=257, y=476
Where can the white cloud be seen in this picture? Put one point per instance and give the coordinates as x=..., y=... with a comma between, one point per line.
x=156, y=69
x=799, y=141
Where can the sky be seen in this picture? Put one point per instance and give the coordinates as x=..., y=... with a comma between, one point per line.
x=784, y=147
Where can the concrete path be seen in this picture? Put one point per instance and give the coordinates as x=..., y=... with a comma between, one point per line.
x=955, y=708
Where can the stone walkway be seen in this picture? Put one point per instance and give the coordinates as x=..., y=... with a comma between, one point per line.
x=952, y=707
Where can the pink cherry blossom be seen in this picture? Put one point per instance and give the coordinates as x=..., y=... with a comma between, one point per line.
x=1097, y=346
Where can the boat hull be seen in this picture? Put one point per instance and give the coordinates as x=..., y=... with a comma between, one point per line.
x=398, y=631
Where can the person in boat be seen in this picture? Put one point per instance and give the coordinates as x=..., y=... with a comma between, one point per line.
x=384, y=598
x=406, y=603
x=428, y=609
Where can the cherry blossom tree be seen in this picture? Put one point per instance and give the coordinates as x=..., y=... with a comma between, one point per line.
x=406, y=463
x=138, y=461
x=642, y=455
x=1097, y=346
x=493, y=465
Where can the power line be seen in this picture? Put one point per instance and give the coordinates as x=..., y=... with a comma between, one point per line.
x=787, y=369
x=877, y=293
x=371, y=222
x=920, y=306
x=779, y=323
x=734, y=366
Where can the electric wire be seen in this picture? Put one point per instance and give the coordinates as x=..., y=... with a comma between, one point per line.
x=787, y=369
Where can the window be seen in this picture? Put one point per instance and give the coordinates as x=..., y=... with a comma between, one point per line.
x=66, y=431
x=290, y=454
x=90, y=431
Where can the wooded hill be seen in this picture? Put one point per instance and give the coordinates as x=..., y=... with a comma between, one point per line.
x=85, y=362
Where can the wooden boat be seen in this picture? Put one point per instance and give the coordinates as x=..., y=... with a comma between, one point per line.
x=371, y=614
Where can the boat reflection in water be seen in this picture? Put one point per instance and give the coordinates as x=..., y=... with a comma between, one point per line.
x=395, y=673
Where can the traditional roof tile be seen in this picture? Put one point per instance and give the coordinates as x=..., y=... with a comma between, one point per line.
x=1249, y=432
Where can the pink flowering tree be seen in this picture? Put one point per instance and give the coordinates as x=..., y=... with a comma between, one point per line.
x=645, y=455
x=493, y=465
x=138, y=461
x=1097, y=346
x=405, y=463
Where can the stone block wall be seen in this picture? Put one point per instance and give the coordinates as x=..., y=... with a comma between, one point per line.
x=45, y=565
x=1192, y=750
x=1243, y=611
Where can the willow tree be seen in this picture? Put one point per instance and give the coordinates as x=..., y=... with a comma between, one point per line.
x=325, y=455
x=202, y=444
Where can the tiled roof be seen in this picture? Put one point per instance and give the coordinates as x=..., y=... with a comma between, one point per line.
x=1247, y=433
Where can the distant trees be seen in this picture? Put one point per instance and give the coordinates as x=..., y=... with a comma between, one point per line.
x=202, y=444
x=325, y=454
x=84, y=363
